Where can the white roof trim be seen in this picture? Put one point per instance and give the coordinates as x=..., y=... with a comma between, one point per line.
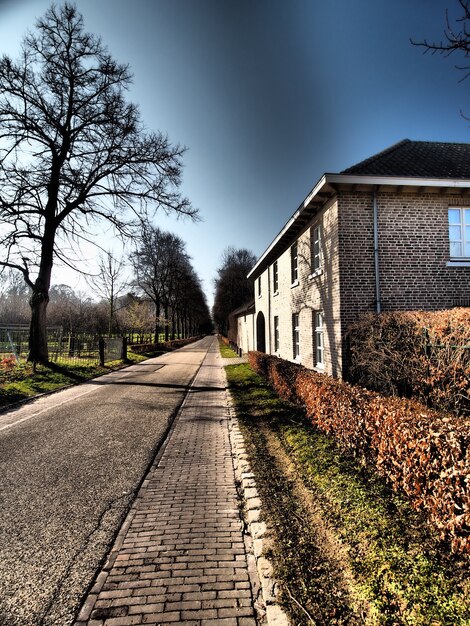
x=354, y=179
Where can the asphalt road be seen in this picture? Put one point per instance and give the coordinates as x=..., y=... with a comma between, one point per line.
x=70, y=466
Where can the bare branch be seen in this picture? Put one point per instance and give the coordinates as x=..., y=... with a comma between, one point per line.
x=456, y=38
x=73, y=151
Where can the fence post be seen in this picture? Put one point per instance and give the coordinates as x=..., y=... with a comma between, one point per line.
x=101, y=346
x=124, y=348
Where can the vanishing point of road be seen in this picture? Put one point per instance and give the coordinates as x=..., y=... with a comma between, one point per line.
x=71, y=464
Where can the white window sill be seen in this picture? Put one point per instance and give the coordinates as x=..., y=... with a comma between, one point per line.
x=295, y=284
x=320, y=368
x=316, y=273
x=458, y=263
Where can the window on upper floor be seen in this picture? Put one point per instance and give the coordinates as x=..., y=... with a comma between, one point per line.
x=276, y=333
x=295, y=336
x=294, y=264
x=459, y=232
x=275, y=277
x=259, y=286
x=315, y=249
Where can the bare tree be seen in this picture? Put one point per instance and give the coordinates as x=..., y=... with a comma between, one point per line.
x=73, y=152
x=153, y=262
x=192, y=315
x=456, y=38
x=13, y=299
x=109, y=284
x=137, y=315
x=163, y=272
x=232, y=288
x=64, y=307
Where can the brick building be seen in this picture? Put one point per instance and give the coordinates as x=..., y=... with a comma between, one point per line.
x=390, y=233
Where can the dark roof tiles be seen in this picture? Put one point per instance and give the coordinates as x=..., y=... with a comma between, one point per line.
x=417, y=159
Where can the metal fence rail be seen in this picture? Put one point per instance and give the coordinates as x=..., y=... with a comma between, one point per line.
x=66, y=348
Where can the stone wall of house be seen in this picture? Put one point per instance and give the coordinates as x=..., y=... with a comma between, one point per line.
x=245, y=332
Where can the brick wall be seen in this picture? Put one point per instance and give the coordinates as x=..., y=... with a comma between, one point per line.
x=413, y=256
x=413, y=253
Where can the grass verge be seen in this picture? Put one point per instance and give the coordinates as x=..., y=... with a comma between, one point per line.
x=22, y=383
x=225, y=350
x=346, y=549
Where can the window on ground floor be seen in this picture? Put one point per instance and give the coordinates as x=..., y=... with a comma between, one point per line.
x=319, y=340
x=459, y=232
x=276, y=333
x=296, y=335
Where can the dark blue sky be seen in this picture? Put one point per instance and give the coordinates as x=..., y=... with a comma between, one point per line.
x=269, y=94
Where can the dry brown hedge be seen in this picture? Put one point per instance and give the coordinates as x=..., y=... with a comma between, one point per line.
x=420, y=452
x=142, y=348
x=420, y=354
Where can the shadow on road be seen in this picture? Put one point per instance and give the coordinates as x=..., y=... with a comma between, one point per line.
x=156, y=385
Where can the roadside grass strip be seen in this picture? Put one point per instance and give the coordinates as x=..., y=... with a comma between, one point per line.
x=21, y=382
x=225, y=351
x=346, y=549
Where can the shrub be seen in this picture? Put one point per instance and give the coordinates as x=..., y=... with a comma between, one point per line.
x=8, y=363
x=421, y=452
x=418, y=354
x=164, y=346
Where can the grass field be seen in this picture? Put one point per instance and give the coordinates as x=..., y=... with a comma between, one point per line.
x=21, y=382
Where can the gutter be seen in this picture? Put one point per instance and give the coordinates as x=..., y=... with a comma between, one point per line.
x=328, y=181
x=269, y=313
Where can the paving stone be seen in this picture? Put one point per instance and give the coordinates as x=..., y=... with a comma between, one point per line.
x=180, y=556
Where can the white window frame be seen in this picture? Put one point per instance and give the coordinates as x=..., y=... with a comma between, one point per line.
x=294, y=264
x=319, y=340
x=275, y=278
x=296, y=336
x=276, y=333
x=316, y=254
x=463, y=241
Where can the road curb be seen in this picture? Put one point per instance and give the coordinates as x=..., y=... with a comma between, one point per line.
x=267, y=605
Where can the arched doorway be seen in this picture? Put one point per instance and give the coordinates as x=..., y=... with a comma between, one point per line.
x=260, y=333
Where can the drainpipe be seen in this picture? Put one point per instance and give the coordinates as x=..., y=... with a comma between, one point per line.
x=376, y=252
x=269, y=312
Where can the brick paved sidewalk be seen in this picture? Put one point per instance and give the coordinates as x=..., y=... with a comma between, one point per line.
x=180, y=556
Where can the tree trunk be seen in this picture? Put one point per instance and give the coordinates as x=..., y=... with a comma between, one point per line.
x=167, y=330
x=157, y=320
x=173, y=324
x=38, y=351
